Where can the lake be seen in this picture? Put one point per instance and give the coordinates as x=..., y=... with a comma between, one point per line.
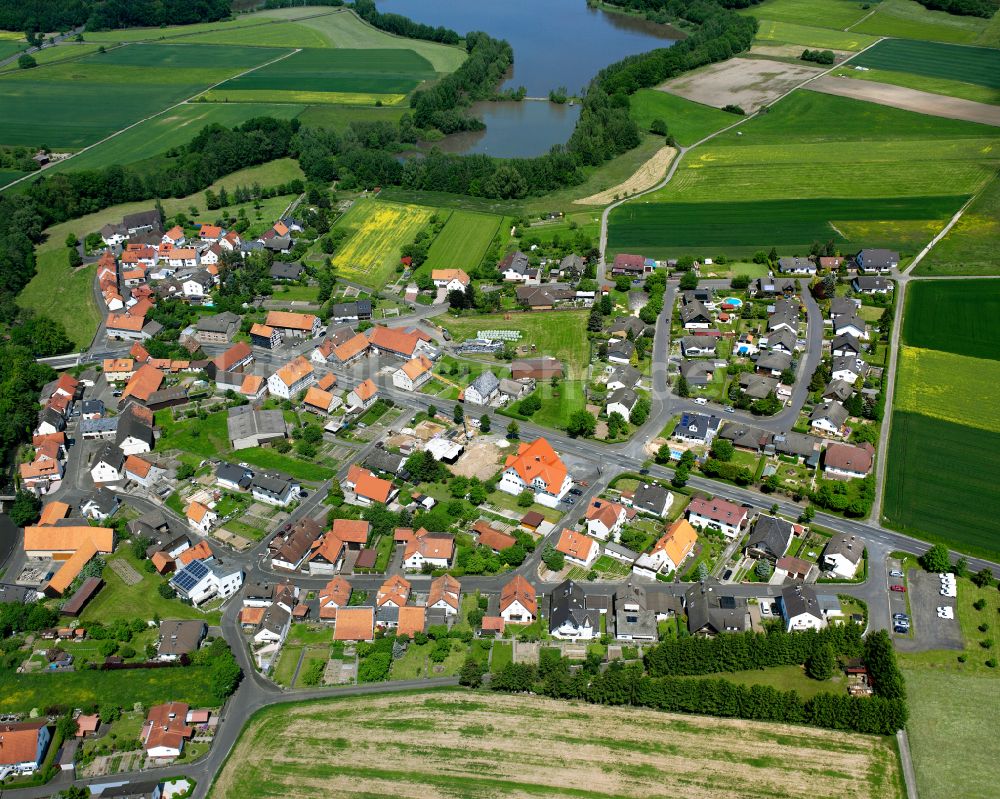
x=556, y=43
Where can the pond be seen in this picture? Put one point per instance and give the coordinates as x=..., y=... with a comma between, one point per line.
x=557, y=43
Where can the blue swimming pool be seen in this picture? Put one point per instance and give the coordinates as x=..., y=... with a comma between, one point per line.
x=736, y=302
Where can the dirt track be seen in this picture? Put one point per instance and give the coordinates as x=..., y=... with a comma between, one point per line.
x=645, y=177
x=937, y=105
x=750, y=83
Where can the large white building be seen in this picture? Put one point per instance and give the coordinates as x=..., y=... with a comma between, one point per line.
x=536, y=468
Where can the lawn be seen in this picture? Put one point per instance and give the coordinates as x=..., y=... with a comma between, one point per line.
x=463, y=241
x=977, y=65
x=785, y=678
x=941, y=476
x=885, y=176
x=953, y=316
x=20, y=693
x=951, y=754
x=562, y=334
x=293, y=467
x=379, y=231
x=142, y=600
x=60, y=294
x=907, y=19
x=687, y=121
x=384, y=74
x=53, y=105
x=970, y=247
x=357, y=747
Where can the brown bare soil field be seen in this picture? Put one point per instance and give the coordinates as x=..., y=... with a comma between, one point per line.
x=443, y=744
x=645, y=177
x=749, y=83
x=936, y=105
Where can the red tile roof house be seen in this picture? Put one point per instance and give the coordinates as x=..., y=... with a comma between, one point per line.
x=727, y=516
x=605, y=518
x=578, y=549
x=23, y=747
x=518, y=602
x=165, y=730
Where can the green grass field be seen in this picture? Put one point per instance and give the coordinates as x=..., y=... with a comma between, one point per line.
x=837, y=14
x=56, y=105
x=951, y=755
x=142, y=600
x=907, y=19
x=463, y=241
x=379, y=231
x=772, y=32
x=953, y=316
x=971, y=246
x=448, y=743
x=562, y=335
x=687, y=121
x=941, y=476
x=978, y=65
x=367, y=71
x=19, y=693
x=884, y=174
x=181, y=125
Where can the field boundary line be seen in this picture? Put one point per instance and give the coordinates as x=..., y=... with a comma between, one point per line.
x=157, y=114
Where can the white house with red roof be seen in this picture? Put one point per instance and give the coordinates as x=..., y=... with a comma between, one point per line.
x=578, y=549
x=727, y=516
x=539, y=469
x=605, y=518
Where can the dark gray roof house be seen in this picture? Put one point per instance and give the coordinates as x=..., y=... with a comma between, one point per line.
x=745, y=436
x=838, y=390
x=281, y=270
x=568, y=609
x=697, y=373
x=710, y=611
x=696, y=427
x=798, y=445
x=769, y=538
x=651, y=498
x=757, y=386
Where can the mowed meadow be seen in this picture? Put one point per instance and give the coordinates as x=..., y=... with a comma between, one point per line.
x=458, y=744
x=944, y=445
x=813, y=168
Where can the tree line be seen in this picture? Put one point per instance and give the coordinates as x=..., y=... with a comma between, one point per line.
x=882, y=714
x=33, y=16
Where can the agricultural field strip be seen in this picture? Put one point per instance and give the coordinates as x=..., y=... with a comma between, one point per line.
x=157, y=114
x=447, y=744
x=947, y=386
x=463, y=241
x=977, y=65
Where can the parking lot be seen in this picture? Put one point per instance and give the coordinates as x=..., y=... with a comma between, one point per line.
x=929, y=632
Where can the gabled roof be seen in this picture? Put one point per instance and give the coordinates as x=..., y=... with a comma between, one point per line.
x=538, y=460
x=519, y=590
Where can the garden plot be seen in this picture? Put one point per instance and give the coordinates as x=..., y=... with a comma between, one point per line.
x=744, y=82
